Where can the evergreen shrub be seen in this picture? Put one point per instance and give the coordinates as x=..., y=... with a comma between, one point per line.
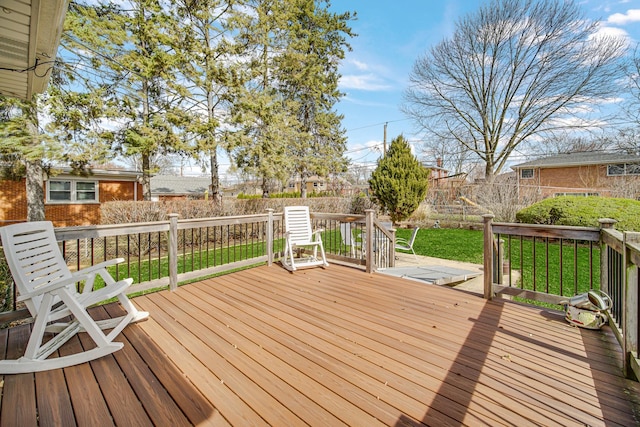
x=399, y=183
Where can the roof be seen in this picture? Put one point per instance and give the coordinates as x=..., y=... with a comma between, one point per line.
x=30, y=32
x=179, y=185
x=579, y=159
x=114, y=174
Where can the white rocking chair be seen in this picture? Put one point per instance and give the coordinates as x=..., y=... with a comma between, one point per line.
x=298, y=233
x=48, y=289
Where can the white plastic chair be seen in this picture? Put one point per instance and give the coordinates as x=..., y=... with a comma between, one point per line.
x=48, y=289
x=407, y=245
x=298, y=233
x=348, y=238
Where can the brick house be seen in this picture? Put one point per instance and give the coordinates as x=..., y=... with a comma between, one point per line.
x=71, y=200
x=580, y=174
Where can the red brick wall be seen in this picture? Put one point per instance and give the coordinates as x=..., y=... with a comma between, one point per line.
x=13, y=203
x=547, y=182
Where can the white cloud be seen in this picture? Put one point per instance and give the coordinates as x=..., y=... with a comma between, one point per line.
x=612, y=32
x=632, y=15
x=368, y=82
x=366, y=103
x=359, y=65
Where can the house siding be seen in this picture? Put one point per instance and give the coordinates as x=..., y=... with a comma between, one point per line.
x=13, y=203
x=548, y=182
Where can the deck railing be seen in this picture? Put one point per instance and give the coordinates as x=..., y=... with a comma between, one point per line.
x=165, y=253
x=620, y=279
x=553, y=263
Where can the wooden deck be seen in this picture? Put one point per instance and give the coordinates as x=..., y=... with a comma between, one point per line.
x=329, y=347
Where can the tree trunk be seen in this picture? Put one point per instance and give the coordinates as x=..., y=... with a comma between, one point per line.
x=35, y=191
x=216, y=197
x=488, y=172
x=146, y=178
x=303, y=186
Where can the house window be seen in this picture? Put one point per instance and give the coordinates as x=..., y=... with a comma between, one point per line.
x=623, y=169
x=576, y=194
x=633, y=168
x=71, y=191
x=614, y=170
x=526, y=173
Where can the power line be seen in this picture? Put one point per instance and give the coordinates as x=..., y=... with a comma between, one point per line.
x=376, y=124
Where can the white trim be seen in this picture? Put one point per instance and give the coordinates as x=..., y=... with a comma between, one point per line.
x=73, y=192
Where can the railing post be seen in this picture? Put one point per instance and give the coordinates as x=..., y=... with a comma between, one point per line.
x=173, y=251
x=392, y=249
x=605, y=223
x=488, y=255
x=630, y=306
x=370, y=268
x=270, y=237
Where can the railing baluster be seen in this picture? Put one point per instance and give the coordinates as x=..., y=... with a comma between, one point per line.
x=139, y=258
x=159, y=255
x=560, y=250
x=575, y=267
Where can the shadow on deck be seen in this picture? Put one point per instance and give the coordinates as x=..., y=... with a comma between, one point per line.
x=331, y=346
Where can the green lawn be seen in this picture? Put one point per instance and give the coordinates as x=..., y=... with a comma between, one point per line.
x=447, y=243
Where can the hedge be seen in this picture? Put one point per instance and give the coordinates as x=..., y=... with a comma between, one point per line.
x=583, y=211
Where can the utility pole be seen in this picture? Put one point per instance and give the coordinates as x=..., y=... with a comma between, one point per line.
x=384, y=140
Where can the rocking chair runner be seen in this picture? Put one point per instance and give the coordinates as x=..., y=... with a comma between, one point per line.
x=298, y=233
x=48, y=289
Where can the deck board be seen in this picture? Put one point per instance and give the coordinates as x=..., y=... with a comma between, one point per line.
x=330, y=347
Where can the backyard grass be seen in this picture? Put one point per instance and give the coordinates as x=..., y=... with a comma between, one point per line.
x=447, y=243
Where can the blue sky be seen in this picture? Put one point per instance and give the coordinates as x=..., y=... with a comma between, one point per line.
x=392, y=35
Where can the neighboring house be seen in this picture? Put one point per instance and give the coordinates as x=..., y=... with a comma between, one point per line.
x=71, y=200
x=580, y=174
x=314, y=184
x=438, y=175
x=169, y=187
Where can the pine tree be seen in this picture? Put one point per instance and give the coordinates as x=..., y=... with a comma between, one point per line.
x=128, y=56
x=261, y=115
x=308, y=76
x=284, y=108
x=399, y=183
x=206, y=57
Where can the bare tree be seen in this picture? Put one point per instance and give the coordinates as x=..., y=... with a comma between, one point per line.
x=566, y=143
x=628, y=138
x=455, y=159
x=513, y=70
